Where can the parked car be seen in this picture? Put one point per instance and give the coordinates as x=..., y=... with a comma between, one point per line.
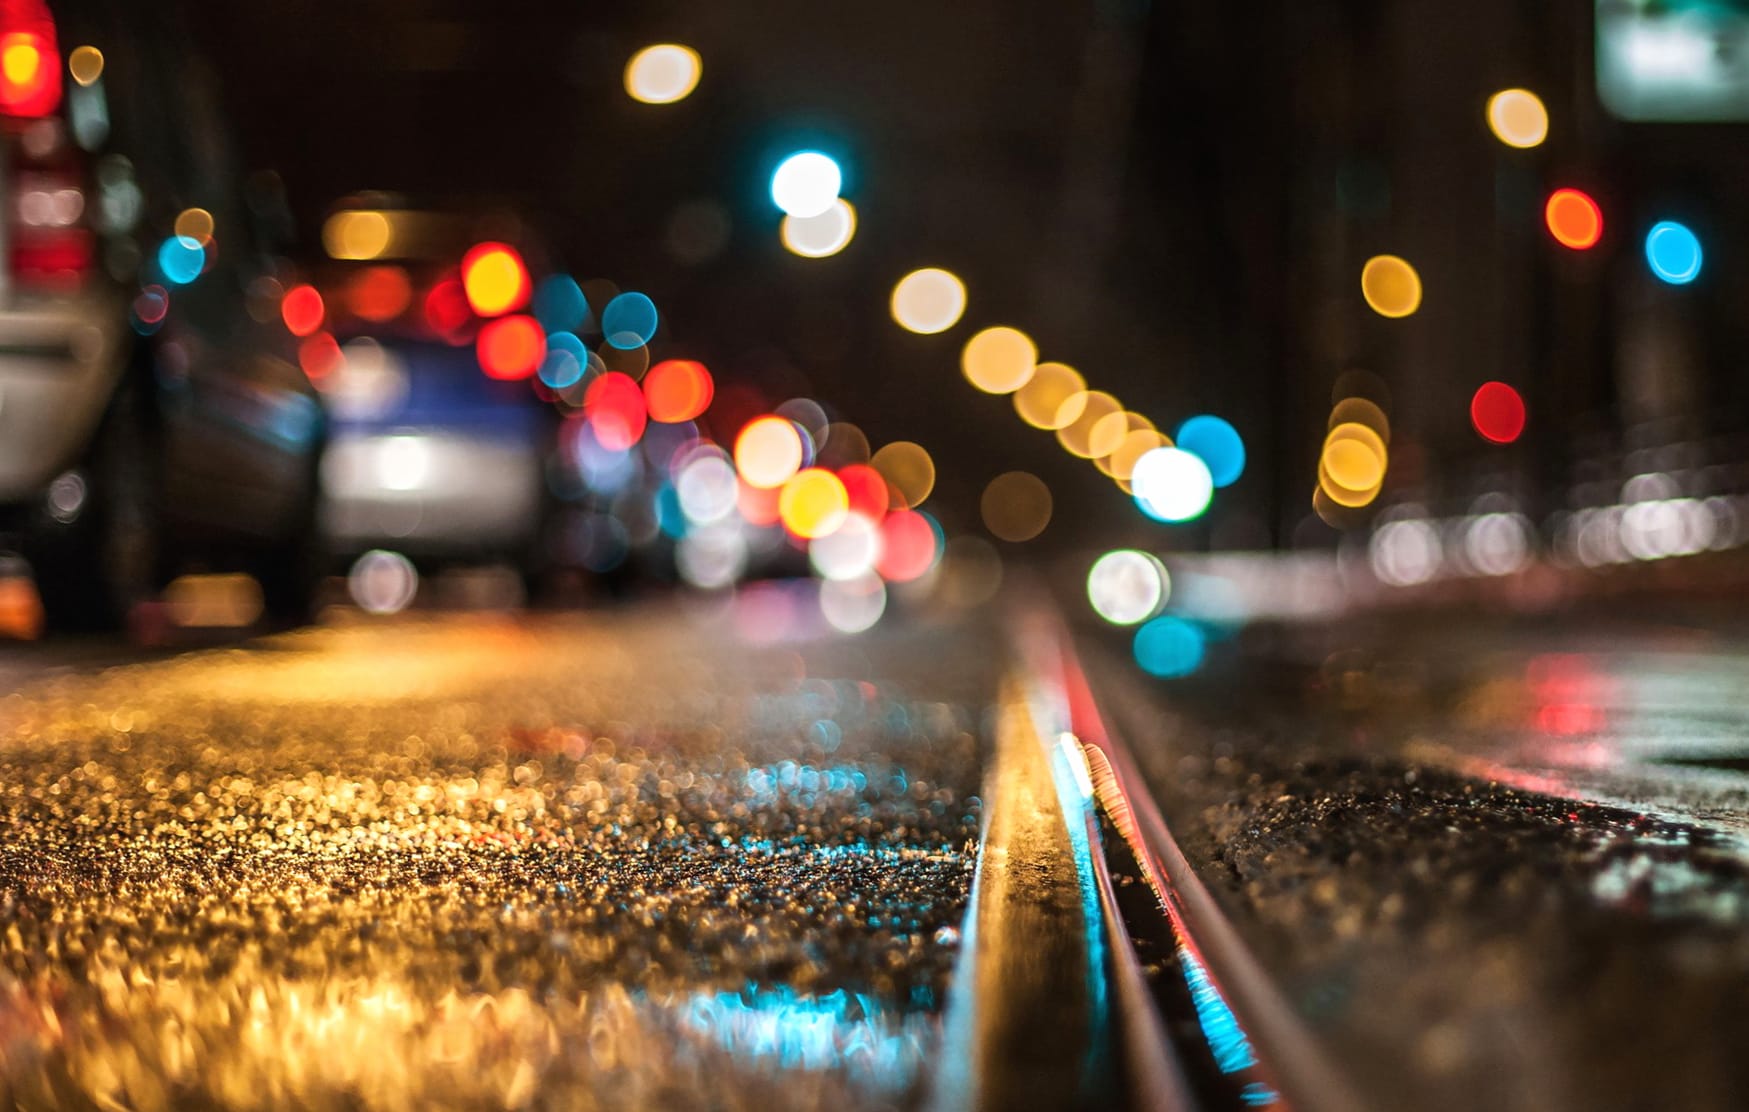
x=148, y=421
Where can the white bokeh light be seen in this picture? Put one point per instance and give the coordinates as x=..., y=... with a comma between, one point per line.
x=806, y=183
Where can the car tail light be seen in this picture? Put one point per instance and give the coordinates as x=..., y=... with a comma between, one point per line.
x=50, y=245
x=30, y=60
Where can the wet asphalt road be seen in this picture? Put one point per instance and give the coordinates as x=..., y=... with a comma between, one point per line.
x=1492, y=863
x=623, y=860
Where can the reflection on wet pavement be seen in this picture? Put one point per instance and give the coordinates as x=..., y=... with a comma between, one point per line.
x=596, y=862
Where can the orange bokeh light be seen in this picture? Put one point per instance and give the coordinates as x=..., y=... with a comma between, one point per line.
x=495, y=279
x=320, y=356
x=677, y=390
x=511, y=347
x=302, y=310
x=379, y=293
x=1574, y=219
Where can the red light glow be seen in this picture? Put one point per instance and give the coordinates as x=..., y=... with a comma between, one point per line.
x=867, y=489
x=614, y=407
x=30, y=70
x=908, y=546
x=302, y=310
x=379, y=293
x=1574, y=219
x=677, y=390
x=1497, y=411
x=446, y=310
x=320, y=356
x=511, y=347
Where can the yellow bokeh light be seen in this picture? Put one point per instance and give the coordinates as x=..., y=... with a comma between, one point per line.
x=1391, y=286
x=1040, y=401
x=1016, y=506
x=20, y=61
x=663, y=74
x=1351, y=469
x=1361, y=411
x=929, y=300
x=908, y=470
x=1076, y=436
x=768, y=452
x=813, y=503
x=85, y=64
x=356, y=234
x=1136, y=444
x=1108, y=434
x=999, y=360
x=1517, y=118
x=817, y=237
x=195, y=224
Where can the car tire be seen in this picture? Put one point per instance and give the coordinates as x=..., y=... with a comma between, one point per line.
x=291, y=572
x=93, y=571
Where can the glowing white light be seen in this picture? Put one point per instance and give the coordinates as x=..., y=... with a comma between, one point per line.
x=713, y=557
x=1405, y=553
x=383, y=582
x=853, y=605
x=816, y=237
x=706, y=487
x=403, y=462
x=848, y=552
x=1498, y=543
x=1171, y=484
x=806, y=184
x=1126, y=586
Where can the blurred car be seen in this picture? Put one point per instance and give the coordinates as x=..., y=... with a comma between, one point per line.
x=430, y=454
x=147, y=420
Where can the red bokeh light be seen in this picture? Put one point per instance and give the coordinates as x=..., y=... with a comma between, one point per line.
x=302, y=310
x=614, y=407
x=1497, y=411
x=379, y=293
x=758, y=505
x=319, y=356
x=30, y=78
x=908, y=546
x=446, y=310
x=1574, y=219
x=511, y=347
x=677, y=390
x=869, y=494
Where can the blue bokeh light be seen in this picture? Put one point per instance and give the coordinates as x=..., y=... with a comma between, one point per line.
x=1169, y=646
x=565, y=361
x=1217, y=444
x=1673, y=252
x=629, y=321
x=559, y=304
x=181, y=259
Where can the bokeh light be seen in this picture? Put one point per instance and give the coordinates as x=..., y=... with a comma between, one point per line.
x=678, y=390
x=1016, y=506
x=1171, y=484
x=999, y=360
x=909, y=471
x=806, y=183
x=85, y=64
x=1169, y=647
x=663, y=74
x=195, y=224
x=1497, y=411
x=1574, y=219
x=1673, y=252
x=818, y=237
x=319, y=356
x=909, y=546
x=629, y=321
x=813, y=503
x=447, y=310
x=867, y=489
x=1109, y=433
x=357, y=234
x=853, y=605
x=382, y=582
x=1219, y=445
x=559, y=304
x=1092, y=407
x=706, y=486
x=379, y=293
x=1352, y=465
x=768, y=451
x=181, y=260
x=494, y=278
x=1391, y=286
x=1126, y=586
x=1040, y=403
x=1137, y=443
x=849, y=551
x=1517, y=118
x=302, y=310
x=1361, y=411
x=928, y=301
x=511, y=347
x=30, y=73
x=614, y=408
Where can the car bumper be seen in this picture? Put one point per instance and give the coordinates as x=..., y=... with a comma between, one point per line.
x=58, y=366
x=431, y=493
